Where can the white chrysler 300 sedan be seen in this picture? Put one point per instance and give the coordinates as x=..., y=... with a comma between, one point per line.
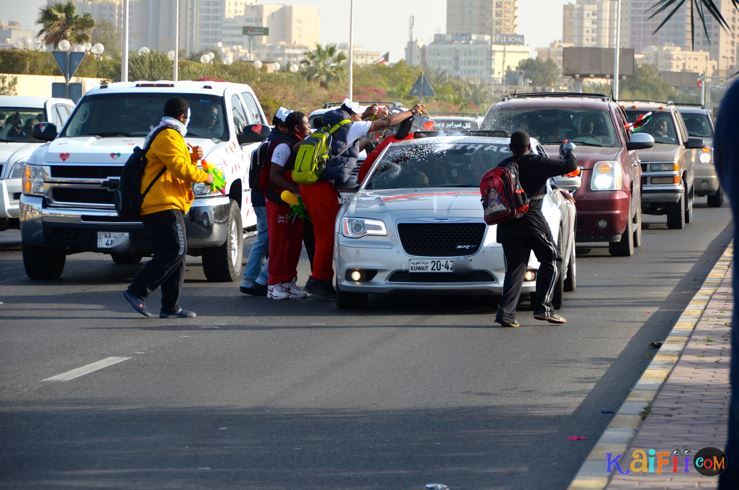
x=416, y=224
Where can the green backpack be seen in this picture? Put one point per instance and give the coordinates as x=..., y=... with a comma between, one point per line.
x=313, y=154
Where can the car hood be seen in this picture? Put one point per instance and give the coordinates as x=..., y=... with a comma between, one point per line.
x=12, y=152
x=659, y=153
x=91, y=149
x=439, y=203
x=587, y=155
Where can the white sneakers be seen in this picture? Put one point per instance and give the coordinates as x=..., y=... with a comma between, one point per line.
x=286, y=290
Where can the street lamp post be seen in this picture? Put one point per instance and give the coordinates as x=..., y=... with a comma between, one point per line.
x=617, y=54
x=124, y=54
x=176, y=38
x=351, y=48
x=68, y=59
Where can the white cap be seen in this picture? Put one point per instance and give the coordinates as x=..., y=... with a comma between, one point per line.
x=352, y=106
x=282, y=114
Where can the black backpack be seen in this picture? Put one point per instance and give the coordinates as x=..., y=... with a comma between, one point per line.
x=128, y=197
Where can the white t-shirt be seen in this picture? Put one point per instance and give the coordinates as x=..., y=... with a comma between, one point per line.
x=357, y=130
x=281, y=154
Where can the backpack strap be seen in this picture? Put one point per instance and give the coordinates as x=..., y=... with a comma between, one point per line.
x=336, y=128
x=146, y=150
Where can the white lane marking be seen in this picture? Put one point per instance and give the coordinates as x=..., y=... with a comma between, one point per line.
x=87, y=369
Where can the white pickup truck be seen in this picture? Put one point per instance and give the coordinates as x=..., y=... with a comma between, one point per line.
x=69, y=182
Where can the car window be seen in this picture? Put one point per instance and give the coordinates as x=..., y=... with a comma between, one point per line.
x=698, y=125
x=135, y=114
x=436, y=165
x=589, y=127
x=56, y=115
x=16, y=123
x=660, y=125
x=240, y=119
x=64, y=112
x=252, y=108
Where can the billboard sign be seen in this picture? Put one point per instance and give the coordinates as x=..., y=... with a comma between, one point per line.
x=510, y=39
x=596, y=62
x=255, y=31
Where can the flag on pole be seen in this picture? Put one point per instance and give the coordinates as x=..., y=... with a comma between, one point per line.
x=382, y=60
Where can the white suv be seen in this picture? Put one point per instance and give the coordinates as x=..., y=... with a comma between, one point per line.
x=17, y=117
x=69, y=183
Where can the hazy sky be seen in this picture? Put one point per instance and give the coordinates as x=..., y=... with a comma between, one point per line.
x=380, y=25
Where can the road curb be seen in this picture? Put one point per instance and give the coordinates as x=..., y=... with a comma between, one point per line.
x=625, y=424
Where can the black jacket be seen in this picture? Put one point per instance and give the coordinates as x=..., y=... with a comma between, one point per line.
x=533, y=172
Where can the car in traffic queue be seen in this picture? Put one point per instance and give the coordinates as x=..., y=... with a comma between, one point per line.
x=608, y=195
x=416, y=224
x=668, y=168
x=699, y=123
x=67, y=205
x=18, y=115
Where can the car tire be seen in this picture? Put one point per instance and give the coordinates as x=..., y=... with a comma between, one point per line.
x=716, y=200
x=43, y=262
x=676, y=214
x=223, y=264
x=350, y=301
x=638, y=239
x=689, y=207
x=124, y=259
x=570, y=281
x=625, y=246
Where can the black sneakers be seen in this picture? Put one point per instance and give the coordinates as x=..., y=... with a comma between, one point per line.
x=320, y=289
x=551, y=318
x=255, y=289
x=180, y=313
x=506, y=324
x=137, y=303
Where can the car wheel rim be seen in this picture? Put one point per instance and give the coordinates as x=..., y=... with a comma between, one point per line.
x=234, y=245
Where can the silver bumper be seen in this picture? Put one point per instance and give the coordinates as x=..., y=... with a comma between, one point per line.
x=705, y=180
x=9, y=204
x=483, y=272
x=76, y=229
x=662, y=193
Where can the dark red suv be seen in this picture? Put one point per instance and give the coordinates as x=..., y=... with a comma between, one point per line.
x=609, y=197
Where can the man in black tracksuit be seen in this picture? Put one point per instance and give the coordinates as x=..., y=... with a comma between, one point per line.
x=531, y=232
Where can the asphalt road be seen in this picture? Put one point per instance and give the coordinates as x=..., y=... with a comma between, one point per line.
x=264, y=394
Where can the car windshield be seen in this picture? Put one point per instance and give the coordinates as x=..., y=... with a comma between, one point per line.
x=587, y=127
x=136, y=114
x=436, y=165
x=660, y=125
x=699, y=125
x=446, y=124
x=16, y=123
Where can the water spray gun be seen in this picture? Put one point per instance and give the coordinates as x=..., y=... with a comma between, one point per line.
x=219, y=181
x=297, y=206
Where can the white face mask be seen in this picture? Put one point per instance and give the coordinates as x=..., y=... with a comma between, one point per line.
x=187, y=121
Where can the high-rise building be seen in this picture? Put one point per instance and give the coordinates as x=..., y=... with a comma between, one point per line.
x=724, y=45
x=590, y=23
x=674, y=58
x=481, y=17
x=290, y=25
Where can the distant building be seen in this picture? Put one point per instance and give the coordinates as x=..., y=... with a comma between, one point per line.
x=289, y=25
x=554, y=52
x=474, y=56
x=12, y=35
x=675, y=59
x=481, y=17
x=589, y=23
x=414, y=53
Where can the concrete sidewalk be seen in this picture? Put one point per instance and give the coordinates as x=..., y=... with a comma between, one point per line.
x=681, y=401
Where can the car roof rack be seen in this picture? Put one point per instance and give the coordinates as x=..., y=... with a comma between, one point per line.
x=328, y=105
x=690, y=104
x=648, y=101
x=522, y=95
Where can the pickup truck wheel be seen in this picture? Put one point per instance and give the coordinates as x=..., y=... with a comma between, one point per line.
x=570, y=282
x=43, y=262
x=126, y=258
x=625, y=246
x=676, y=214
x=716, y=200
x=347, y=301
x=689, y=207
x=637, y=229
x=223, y=264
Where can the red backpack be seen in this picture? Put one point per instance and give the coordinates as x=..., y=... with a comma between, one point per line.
x=503, y=198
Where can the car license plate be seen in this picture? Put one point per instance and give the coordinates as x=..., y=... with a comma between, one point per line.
x=111, y=239
x=431, y=265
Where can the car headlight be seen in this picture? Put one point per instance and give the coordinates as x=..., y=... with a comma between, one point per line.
x=16, y=171
x=606, y=176
x=359, y=227
x=33, y=179
x=706, y=155
x=202, y=189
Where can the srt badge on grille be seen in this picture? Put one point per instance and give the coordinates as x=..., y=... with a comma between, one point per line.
x=465, y=247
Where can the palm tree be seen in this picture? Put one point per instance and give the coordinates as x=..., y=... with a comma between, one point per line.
x=324, y=65
x=61, y=21
x=697, y=8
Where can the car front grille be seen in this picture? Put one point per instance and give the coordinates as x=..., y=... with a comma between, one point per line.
x=427, y=277
x=88, y=196
x=441, y=239
x=85, y=171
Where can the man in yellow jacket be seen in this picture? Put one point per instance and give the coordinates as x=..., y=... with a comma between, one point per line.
x=163, y=211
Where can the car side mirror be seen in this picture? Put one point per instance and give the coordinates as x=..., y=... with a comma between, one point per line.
x=640, y=141
x=694, y=143
x=254, y=133
x=44, y=131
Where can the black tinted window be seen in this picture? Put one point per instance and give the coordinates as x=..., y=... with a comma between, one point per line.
x=699, y=126
x=16, y=123
x=550, y=126
x=436, y=165
x=659, y=124
x=137, y=114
